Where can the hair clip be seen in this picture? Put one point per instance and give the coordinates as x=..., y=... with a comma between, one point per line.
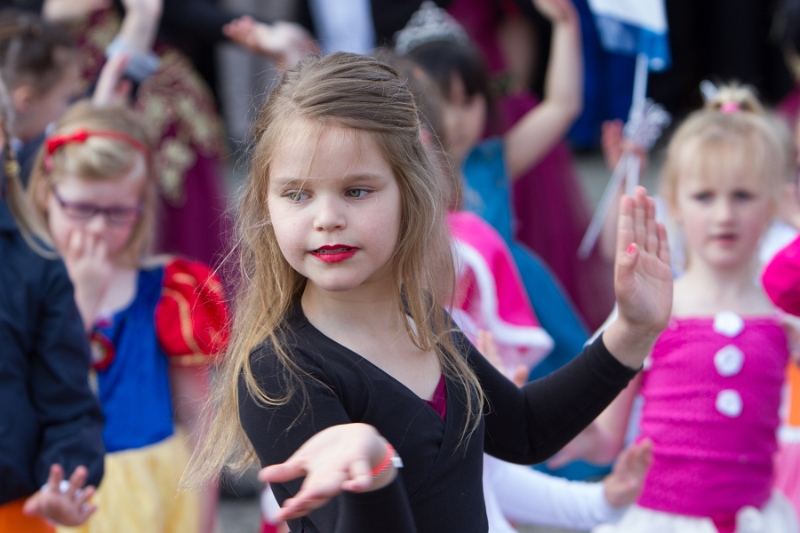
x=80, y=136
x=429, y=23
x=730, y=107
x=709, y=90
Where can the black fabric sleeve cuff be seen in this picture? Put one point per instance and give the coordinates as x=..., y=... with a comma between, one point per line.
x=386, y=510
x=606, y=365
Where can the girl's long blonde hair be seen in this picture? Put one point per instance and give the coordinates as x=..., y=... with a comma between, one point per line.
x=99, y=158
x=362, y=93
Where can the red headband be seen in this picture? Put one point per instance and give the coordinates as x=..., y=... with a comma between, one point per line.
x=55, y=142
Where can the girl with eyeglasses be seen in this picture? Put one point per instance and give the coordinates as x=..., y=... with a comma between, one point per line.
x=154, y=323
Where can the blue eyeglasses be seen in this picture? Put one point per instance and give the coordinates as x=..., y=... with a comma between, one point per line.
x=83, y=212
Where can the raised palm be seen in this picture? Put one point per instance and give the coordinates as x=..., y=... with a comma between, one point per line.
x=642, y=273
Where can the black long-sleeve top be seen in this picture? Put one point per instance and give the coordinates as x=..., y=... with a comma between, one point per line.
x=48, y=414
x=439, y=488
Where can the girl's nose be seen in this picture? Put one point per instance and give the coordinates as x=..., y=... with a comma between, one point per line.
x=723, y=210
x=330, y=214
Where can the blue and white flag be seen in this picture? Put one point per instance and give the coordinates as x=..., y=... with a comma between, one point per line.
x=634, y=27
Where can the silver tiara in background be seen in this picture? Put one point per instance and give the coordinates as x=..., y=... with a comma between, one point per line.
x=429, y=23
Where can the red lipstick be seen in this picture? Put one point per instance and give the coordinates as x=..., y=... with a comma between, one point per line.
x=334, y=253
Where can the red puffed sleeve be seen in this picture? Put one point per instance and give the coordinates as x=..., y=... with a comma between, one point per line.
x=192, y=316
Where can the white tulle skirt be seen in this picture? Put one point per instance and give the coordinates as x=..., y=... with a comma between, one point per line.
x=777, y=516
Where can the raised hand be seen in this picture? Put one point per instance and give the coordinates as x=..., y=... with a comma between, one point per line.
x=642, y=281
x=285, y=43
x=90, y=270
x=625, y=482
x=67, y=508
x=338, y=458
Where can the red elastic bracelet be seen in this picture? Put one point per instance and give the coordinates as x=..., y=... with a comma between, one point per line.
x=378, y=470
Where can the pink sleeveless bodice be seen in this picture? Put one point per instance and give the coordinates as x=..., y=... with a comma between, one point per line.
x=711, y=399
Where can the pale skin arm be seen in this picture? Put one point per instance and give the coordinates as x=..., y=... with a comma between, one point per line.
x=140, y=24
x=138, y=30
x=112, y=89
x=190, y=386
x=542, y=127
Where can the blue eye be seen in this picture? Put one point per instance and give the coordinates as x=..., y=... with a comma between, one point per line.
x=356, y=193
x=743, y=195
x=296, y=196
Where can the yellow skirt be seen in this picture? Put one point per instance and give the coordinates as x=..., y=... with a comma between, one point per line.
x=140, y=494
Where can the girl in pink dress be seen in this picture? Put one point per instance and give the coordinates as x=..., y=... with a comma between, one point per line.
x=712, y=384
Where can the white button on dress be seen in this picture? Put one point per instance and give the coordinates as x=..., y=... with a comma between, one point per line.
x=728, y=323
x=729, y=360
x=729, y=403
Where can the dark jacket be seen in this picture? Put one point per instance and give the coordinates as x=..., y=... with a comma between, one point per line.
x=48, y=414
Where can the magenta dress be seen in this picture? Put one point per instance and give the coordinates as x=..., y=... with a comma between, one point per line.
x=711, y=398
x=551, y=212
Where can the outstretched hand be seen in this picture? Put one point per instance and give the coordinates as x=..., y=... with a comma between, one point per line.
x=642, y=280
x=625, y=482
x=338, y=458
x=68, y=508
x=285, y=43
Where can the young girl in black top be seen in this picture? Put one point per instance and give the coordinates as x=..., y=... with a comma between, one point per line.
x=342, y=343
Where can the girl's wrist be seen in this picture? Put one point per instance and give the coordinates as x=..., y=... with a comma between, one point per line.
x=384, y=466
x=629, y=344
